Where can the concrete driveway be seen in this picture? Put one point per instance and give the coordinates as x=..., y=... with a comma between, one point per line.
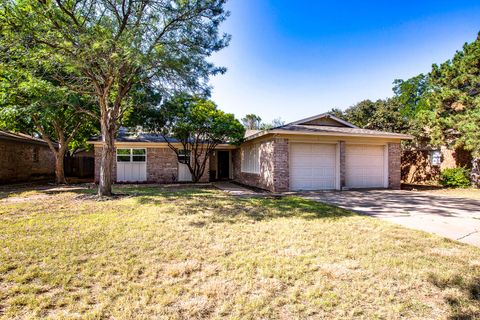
x=454, y=218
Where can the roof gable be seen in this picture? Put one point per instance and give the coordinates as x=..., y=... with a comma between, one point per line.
x=324, y=119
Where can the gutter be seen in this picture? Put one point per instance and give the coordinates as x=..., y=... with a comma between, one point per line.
x=334, y=134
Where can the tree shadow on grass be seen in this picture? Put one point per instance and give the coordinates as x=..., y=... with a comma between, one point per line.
x=91, y=189
x=225, y=208
x=467, y=306
x=207, y=201
x=287, y=207
x=8, y=191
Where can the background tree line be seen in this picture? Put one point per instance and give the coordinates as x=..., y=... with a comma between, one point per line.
x=441, y=107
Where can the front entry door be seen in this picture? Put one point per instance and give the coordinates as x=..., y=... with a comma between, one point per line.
x=223, y=165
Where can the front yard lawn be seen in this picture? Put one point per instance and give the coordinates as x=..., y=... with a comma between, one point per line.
x=470, y=193
x=198, y=253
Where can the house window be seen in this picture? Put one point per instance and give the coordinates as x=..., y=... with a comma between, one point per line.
x=436, y=157
x=131, y=155
x=184, y=156
x=251, y=159
x=35, y=154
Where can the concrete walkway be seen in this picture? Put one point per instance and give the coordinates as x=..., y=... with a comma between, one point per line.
x=234, y=189
x=454, y=218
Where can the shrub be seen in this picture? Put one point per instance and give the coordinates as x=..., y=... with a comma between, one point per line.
x=455, y=178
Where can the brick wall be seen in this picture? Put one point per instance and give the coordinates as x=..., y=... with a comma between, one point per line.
x=17, y=165
x=162, y=166
x=281, y=174
x=394, y=163
x=274, y=174
x=417, y=166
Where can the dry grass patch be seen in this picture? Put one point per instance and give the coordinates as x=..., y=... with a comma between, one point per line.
x=197, y=253
x=469, y=193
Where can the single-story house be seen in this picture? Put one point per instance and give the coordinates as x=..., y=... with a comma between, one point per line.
x=24, y=158
x=318, y=153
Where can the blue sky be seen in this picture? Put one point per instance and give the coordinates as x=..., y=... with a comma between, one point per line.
x=294, y=59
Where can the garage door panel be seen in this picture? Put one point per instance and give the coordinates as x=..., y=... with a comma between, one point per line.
x=302, y=160
x=323, y=148
x=312, y=166
x=365, y=150
x=327, y=162
x=323, y=173
x=364, y=166
x=363, y=160
x=302, y=173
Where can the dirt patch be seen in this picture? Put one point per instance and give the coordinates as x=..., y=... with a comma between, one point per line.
x=25, y=198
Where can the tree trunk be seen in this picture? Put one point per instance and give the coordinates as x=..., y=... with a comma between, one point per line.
x=475, y=173
x=108, y=151
x=59, y=167
x=195, y=178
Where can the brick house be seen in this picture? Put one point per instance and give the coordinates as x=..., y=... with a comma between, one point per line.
x=317, y=153
x=24, y=158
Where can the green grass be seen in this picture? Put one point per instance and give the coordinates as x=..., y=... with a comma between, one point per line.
x=197, y=253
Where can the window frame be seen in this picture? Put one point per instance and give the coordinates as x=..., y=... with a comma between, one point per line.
x=184, y=156
x=436, y=157
x=131, y=155
x=250, y=159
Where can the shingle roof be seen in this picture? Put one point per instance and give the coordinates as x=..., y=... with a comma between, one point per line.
x=327, y=130
x=250, y=132
x=21, y=137
x=125, y=136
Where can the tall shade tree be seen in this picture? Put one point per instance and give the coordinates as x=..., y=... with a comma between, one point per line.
x=455, y=100
x=444, y=105
x=197, y=126
x=411, y=94
x=111, y=46
x=383, y=114
x=35, y=105
x=412, y=98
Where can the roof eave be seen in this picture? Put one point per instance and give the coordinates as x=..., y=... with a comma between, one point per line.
x=287, y=132
x=23, y=140
x=157, y=144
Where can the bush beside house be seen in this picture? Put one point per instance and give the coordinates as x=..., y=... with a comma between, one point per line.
x=455, y=178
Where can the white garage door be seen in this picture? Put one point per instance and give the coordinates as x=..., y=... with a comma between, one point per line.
x=312, y=166
x=364, y=166
x=131, y=165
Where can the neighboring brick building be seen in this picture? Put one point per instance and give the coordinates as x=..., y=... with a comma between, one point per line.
x=317, y=153
x=423, y=166
x=24, y=158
